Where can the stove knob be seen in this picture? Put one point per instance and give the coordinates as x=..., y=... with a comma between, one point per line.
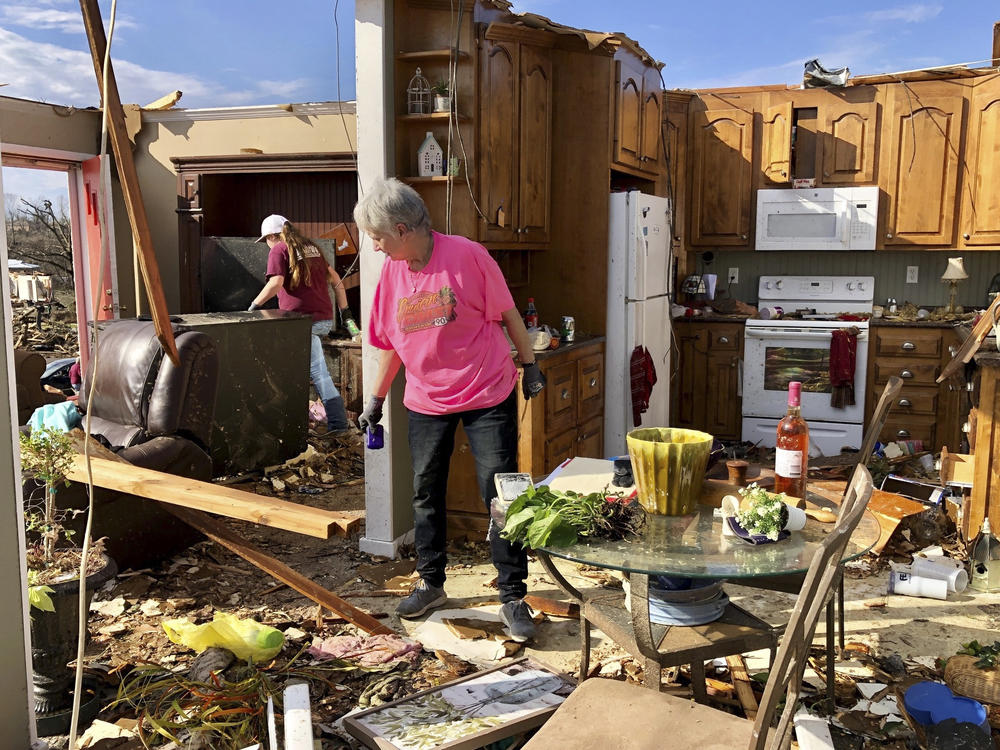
x=850, y=286
x=767, y=284
x=861, y=286
x=777, y=284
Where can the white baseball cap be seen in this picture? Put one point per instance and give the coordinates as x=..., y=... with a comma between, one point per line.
x=273, y=224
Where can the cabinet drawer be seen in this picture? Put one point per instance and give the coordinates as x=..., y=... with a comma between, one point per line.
x=560, y=397
x=909, y=341
x=920, y=372
x=590, y=386
x=724, y=338
x=560, y=447
x=917, y=427
x=590, y=439
x=915, y=400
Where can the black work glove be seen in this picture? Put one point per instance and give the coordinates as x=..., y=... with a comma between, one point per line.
x=372, y=414
x=532, y=381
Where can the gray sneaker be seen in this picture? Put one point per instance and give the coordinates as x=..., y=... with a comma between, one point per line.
x=423, y=598
x=516, y=615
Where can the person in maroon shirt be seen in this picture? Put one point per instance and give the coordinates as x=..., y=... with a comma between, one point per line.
x=298, y=274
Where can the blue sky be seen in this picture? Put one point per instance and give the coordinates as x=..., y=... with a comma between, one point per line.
x=240, y=52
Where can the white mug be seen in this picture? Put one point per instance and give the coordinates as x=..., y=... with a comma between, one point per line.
x=943, y=568
x=796, y=518
x=903, y=581
x=770, y=313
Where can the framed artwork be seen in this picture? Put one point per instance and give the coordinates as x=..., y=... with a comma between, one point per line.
x=466, y=713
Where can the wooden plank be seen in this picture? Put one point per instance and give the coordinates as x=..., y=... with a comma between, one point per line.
x=552, y=607
x=122, y=148
x=225, y=501
x=744, y=687
x=971, y=345
x=985, y=498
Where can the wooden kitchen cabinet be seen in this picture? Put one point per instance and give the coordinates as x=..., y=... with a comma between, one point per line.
x=705, y=387
x=638, y=115
x=565, y=420
x=721, y=197
x=980, y=217
x=675, y=144
x=515, y=119
x=924, y=410
x=920, y=161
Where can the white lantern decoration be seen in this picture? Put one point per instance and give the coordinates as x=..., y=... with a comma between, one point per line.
x=430, y=158
x=418, y=95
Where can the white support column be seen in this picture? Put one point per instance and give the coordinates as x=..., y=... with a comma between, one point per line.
x=17, y=726
x=388, y=477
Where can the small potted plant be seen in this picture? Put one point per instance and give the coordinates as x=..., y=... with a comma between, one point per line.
x=53, y=569
x=764, y=514
x=442, y=96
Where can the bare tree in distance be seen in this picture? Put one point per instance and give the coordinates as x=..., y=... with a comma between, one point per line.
x=39, y=232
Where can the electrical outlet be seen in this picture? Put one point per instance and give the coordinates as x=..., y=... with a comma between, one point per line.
x=734, y=276
x=911, y=274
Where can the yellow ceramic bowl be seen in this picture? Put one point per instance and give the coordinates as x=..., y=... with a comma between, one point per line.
x=668, y=464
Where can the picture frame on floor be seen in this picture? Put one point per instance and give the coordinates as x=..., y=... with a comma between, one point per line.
x=466, y=713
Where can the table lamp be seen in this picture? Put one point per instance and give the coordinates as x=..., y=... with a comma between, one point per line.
x=954, y=273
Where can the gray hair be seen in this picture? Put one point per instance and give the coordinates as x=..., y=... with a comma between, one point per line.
x=390, y=202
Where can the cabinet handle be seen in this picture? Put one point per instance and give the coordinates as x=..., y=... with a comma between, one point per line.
x=564, y=394
x=965, y=236
x=903, y=433
x=888, y=236
x=906, y=374
x=908, y=346
x=905, y=402
x=723, y=339
x=593, y=382
x=743, y=236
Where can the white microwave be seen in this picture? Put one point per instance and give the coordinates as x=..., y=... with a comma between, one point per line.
x=817, y=218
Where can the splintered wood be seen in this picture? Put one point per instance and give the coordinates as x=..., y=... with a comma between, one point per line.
x=224, y=501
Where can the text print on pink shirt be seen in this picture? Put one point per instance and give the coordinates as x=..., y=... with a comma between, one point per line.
x=426, y=310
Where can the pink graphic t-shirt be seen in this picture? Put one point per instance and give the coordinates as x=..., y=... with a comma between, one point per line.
x=444, y=322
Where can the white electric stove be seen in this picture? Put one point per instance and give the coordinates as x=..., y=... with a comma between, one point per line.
x=796, y=346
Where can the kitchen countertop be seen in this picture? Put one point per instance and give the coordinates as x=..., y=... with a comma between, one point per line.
x=713, y=319
x=883, y=322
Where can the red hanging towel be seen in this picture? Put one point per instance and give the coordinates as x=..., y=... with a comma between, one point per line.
x=843, y=357
x=643, y=377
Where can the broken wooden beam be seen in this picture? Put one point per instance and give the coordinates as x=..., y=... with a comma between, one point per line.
x=129, y=177
x=205, y=496
x=744, y=687
x=221, y=534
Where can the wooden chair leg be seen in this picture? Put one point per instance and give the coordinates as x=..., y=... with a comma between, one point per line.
x=584, y=648
x=698, y=681
x=652, y=674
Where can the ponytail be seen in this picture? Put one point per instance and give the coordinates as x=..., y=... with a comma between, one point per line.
x=298, y=264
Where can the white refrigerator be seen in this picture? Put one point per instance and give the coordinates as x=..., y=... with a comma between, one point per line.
x=639, y=293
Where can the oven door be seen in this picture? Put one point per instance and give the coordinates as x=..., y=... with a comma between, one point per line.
x=773, y=357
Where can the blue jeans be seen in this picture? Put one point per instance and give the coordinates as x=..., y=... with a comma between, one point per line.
x=318, y=370
x=492, y=437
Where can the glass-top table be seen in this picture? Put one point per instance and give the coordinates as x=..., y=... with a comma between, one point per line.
x=694, y=546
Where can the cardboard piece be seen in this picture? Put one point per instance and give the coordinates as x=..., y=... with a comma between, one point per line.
x=889, y=509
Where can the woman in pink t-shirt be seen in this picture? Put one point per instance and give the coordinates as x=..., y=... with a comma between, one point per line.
x=438, y=309
x=298, y=274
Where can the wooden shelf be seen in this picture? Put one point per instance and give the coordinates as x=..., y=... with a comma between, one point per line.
x=431, y=54
x=432, y=117
x=425, y=180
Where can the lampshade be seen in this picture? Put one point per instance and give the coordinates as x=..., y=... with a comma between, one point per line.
x=955, y=270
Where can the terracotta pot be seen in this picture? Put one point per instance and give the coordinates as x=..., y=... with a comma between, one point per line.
x=53, y=639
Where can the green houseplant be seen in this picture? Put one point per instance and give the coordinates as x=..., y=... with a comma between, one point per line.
x=53, y=564
x=442, y=96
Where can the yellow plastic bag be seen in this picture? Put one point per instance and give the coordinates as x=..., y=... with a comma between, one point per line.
x=245, y=638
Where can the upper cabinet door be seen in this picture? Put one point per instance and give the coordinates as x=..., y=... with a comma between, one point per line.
x=499, y=128
x=776, y=144
x=628, y=115
x=981, y=180
x=848, y=130
x=721, y=193
x=652, y=121
x=675, y=127
x=536, y=144
x=920, y=160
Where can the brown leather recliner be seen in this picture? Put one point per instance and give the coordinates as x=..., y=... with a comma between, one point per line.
x=153, y=414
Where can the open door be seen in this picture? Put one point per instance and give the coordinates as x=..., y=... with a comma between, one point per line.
x=90, y=201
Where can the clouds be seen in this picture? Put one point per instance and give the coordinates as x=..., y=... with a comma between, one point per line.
x=906, y=14
x=52, y=19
